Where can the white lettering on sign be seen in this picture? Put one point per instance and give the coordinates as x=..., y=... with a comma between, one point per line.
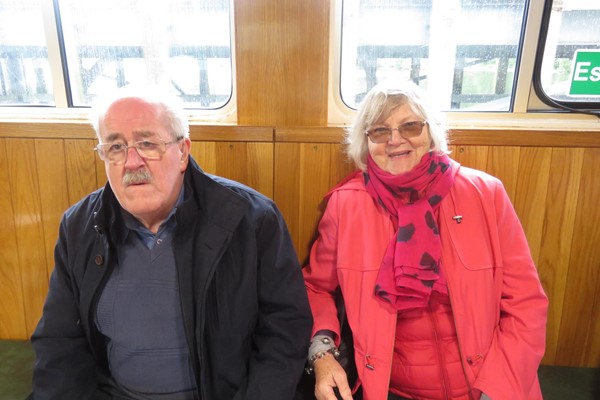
x=583, y=73
x=580, y=69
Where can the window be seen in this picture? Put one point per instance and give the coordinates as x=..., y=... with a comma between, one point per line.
x=446, y=45
x=568, y=70
x=182, y=44
x=25, y=76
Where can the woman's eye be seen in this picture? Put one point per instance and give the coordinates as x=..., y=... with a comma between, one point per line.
x=381, y=131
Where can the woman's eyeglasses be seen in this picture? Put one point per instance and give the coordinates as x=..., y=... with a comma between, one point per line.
x=407, y=130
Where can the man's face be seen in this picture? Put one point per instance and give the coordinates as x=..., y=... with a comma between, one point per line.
x=147, y=188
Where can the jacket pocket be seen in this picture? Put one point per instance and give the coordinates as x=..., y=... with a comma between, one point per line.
x=470, y=242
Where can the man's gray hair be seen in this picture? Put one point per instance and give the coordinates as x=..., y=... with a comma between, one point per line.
x=176, y=120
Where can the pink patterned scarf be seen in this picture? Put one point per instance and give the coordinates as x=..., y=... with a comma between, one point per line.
x=411, y=268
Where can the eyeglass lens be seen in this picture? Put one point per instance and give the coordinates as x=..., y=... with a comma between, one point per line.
x=407, y=130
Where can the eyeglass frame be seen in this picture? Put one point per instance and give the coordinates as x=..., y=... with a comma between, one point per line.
x=137, y=149
x=368, y=132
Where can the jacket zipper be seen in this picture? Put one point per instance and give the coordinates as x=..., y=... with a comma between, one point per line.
x=440, y=352
x=109, y=267
x=200, y=343
x=460, y=353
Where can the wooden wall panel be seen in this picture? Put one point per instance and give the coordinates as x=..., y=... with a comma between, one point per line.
x=81, y=168
x=314, y=177
x=305, y=173
x=503, y=163
x=53, y=185
x=471, y=156
x=593, y=352
x=341, y=166
x=580, y=300
x=554, y=189
x=12, y=308
x=530, y=193
x=259, y=168
x=248, y=163
x=100, y=172
x=24, y=187
x=557, y=236
x=287, y=188
x=205, y=154
x=282, y=50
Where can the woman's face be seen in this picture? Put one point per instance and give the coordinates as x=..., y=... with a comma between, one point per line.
x=399, y=155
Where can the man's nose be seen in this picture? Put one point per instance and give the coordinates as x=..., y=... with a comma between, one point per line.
x=133, y=157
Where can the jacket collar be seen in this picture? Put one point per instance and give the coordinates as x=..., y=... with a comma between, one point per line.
x=203, y=195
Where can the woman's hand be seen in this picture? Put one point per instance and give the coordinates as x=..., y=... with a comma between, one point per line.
x=329, y=374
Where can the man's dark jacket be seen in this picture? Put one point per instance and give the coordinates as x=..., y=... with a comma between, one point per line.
x=246, y=315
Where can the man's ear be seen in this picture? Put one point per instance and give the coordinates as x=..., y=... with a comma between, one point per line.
x=185, y=148
x=185, y=153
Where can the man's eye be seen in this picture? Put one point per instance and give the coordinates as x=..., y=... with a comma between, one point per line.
x=116, y=147
x=146, y=144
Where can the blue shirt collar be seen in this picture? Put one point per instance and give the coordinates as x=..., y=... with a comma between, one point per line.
x=165, y=229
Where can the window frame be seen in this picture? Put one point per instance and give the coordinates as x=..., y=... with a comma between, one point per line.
x=591, y=108
x=64, y=111
x=529, y=111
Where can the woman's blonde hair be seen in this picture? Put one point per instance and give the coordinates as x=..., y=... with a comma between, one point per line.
x=377, y=106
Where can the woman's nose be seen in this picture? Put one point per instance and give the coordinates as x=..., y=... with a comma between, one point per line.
x=396, y=136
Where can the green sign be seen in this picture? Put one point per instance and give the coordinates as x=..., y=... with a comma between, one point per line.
x=586, y=73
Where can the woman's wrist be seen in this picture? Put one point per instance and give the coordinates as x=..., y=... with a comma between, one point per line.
x=320, y=347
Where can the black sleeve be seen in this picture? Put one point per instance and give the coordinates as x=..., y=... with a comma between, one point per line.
x=284, y=324
x=64, y=366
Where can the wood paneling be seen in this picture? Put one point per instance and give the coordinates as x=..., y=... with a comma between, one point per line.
x=81, y=168
x=530, y=193
x=12, y=308
x=27, y=217
x=54, y=192
x=41, y=178
x=578, y=331
x=281, y=80
x=282, y=62
x=248, y=163
x=557, y=236
x=554, y=190
x=471, y=156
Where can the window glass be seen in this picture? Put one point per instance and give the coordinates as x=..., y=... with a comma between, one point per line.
x=25, y=77
x=181, y=44
x=464, y=52
x=570, y=67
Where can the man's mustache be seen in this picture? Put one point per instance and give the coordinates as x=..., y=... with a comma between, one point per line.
x=137, y=177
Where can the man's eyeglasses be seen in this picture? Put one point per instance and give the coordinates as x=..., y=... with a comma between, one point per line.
x=116, y=153
x=407, y=130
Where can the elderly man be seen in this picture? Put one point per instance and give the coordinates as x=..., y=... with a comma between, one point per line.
x=169, y=283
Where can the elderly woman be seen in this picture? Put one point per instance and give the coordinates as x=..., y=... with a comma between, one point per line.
x=440, y=290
